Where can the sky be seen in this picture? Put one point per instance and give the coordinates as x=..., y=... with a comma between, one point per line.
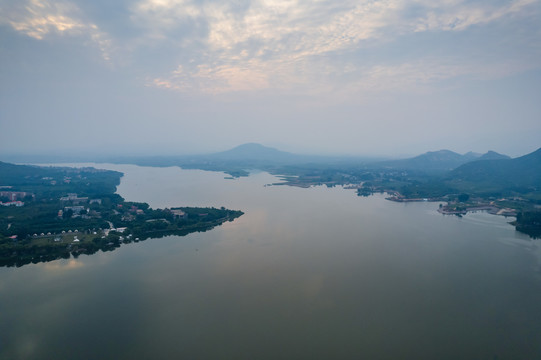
x=382, y=78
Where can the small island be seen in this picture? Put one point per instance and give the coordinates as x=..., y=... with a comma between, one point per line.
x=48, y=213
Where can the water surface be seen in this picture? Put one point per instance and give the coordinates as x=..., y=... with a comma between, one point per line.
x=311, y=273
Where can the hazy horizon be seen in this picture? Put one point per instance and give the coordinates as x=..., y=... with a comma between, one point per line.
x=389, y=78
x=104, y=157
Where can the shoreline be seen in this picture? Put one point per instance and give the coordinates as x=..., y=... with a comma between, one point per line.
x=491, y=209
x=454, y=209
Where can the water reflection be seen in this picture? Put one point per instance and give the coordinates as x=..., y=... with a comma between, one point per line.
x=62, y=265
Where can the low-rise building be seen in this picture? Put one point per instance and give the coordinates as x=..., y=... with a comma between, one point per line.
x=77, y=210
x=12, y=203
x=15, y=195
x=74, y=198
x=177, y=213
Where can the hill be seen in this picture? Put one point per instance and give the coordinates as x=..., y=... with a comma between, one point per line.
x=239, y=160
x=432, y=161
x=521, y=173
x=493, y=155
x=57, y=181
x=440, y=161
x=10, y=172
x=253, y=151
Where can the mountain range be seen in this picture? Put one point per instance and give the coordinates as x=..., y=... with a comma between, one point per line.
x=490, y=171
x=457, y=169
x=469, y=171
x=433, y=161
x=520, y=172
x=438, y=161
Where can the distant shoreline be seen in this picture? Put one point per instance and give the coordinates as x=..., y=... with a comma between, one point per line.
x=457, y=209
x=491, y=209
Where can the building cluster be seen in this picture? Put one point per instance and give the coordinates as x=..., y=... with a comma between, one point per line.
x=79, y=210
x=14, y=197
x=131, y=213
x=74, y=198
x=178, y=214
x=12, y=203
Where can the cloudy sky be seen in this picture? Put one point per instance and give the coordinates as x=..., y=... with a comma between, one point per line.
x=364, y=77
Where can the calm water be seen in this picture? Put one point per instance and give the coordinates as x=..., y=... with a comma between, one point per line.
x=312, y=273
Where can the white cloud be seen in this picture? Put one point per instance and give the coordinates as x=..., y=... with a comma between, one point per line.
x=41, y=18
x=459, y=15
x=287, y=45
x=280, y=44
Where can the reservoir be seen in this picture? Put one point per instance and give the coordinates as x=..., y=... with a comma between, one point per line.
x=305, y=273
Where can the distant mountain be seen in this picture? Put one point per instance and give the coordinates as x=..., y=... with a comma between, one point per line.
x=472, y=155
x=239, y=160
x=432, y=161
x=254, y=152
x=439, y=161
x=521, y=172
x=492, y=155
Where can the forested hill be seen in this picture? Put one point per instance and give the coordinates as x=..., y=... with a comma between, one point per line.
x=57, y=181
x=493, y=155
x=437, y=161
x=442, y=160
x=524, y=171
x=52, y=213
x=10, y=173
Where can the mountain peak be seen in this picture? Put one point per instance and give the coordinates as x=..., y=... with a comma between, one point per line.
x=524, y=171
x=440, y=155
x=432, y=161
x=472, y=155
x=253, y=151
x=493, y=155
x=251, y=147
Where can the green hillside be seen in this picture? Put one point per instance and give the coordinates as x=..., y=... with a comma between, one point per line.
x=522, y=174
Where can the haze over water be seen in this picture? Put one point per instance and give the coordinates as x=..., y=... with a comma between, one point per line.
x=315, y=273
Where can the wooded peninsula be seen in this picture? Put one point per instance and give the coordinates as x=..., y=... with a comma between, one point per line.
x=48, y=213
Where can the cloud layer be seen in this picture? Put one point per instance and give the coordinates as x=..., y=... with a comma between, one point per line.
x=39, y=19
x=292, y=44
x=298, y=46
x=350, y=76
